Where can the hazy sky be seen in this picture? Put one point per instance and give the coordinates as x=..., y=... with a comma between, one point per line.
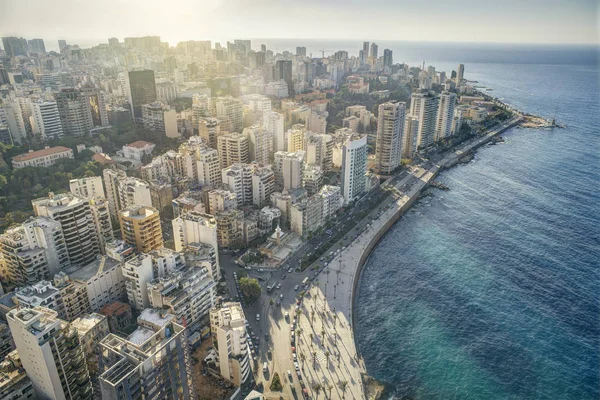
x=526, y=21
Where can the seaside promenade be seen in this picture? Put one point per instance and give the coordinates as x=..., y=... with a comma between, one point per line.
x=331, y=364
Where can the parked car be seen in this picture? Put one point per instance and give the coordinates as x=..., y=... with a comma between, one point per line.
x=258, y=317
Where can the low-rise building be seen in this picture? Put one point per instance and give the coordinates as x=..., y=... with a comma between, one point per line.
x=137, y=149
x=119, y=316
x=42, y=158
x=14, y=382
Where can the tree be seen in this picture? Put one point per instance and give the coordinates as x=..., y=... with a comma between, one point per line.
x=250, y=289
x=302, y=358
x=276, y=383
x=311, y=336
x=343, y=385
x=330, y=388
x=327, y=355
x=317, y=388
x=271, y=301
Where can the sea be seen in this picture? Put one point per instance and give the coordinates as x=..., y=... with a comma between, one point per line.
x=491, y=290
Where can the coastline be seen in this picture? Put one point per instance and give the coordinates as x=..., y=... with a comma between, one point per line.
x=403, y=205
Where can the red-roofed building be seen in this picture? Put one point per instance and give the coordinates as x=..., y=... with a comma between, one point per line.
x=103, y=159
x=41, y=158
x=136, y=150
x=119, y=316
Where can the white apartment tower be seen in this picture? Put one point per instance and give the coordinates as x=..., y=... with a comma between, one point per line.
x=354, y=167
x=46, y=120
x=51, y=354
x=227, y=325
x=33, y=251
x=423, y=105
x=238, y=178
x=445, y=115
x=259, y=144
x=233, y=148
x=88, y=187
x=388, y=145
x=76, y=219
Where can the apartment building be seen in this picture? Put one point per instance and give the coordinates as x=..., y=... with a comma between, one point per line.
x=140, y=227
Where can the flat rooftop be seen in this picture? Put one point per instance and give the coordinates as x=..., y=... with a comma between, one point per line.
x=89, y=271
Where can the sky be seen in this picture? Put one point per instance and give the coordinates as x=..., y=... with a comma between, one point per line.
x=503, y=21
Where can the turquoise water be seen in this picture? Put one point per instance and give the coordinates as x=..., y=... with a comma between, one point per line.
x=491, y=290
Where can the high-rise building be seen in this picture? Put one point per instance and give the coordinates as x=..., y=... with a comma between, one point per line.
x=238, y=178
x=140, y=227
x=354, y=167
x=312, y=178
x=295, y=138
x=77, y=221
x=160, y=118
x=283, y=72
x=14, y=46
x=388, y=58
x=233, y=148
x=288, y=167
x=194, y=227
x=152, y=362
x=230, y=109
x=188, y=293
x=263, y=185
x=142, y=90
x=228, y=327
x=111, y=178
x=259, y=144
x=374, y=48
x=411, y=130
x=91, y=329
x=275, y=127
x=46, y=120
x=460, y=74
x=74, y=111
x=445, y=115
x=51, y=354
x=208, y=166
x=365, y=51
x=95, y=100
x=220, y=200
x=319, y=150
x=209, y=130
x=88, y=187
x=37, y=46
x=423, y=105
x=301, y=51
x=33, y=251
x=133, y=192
x=388, y=145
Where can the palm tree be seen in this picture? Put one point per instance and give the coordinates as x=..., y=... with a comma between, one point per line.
x=323, y=335
x=335, y=317
x=311, y=336
x=302, y=358
x=329, y=388
x=317, y=388
x=312, y=314
x=343, y=385
x=314, y=354
x=327, y=355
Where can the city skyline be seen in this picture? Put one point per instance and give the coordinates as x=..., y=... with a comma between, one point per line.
x=219, y=20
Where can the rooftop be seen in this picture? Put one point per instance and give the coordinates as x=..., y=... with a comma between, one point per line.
x=41, y=153
x=89, y=271
x=140, y=335
x=139, y=144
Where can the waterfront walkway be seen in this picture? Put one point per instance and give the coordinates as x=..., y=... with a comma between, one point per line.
x=328, y=356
